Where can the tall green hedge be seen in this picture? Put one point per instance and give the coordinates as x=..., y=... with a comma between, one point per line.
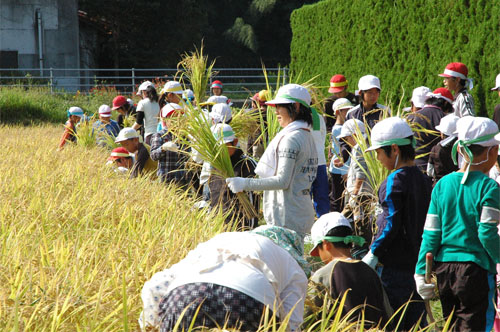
x=405, y=43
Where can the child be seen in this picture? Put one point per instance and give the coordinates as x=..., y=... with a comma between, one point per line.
x=440, y=161
x=105, y=125
x=216, y=88
x=404, y=197
x=319, y=188
x=359, y=192
x=121, y=159
x=338, y=168
x=243, y=167
x=456, y=80
x=496, y=112
x=171, y=162
x=332, y=239
x=461, y=231
x=75, y=114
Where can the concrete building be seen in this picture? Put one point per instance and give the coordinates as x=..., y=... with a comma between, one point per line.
x=41, y=34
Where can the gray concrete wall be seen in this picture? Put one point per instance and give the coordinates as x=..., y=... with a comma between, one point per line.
x=19, y=32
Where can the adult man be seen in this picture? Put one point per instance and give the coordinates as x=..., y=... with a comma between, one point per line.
x=332, y=239
x=130, y=139
x=456, y=80
x=368, y=110
x=105, y=125
x=338, y=89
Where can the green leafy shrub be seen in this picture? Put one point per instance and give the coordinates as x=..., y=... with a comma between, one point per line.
x=405, y=43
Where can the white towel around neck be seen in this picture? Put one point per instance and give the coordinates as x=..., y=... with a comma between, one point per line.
x=268, y=162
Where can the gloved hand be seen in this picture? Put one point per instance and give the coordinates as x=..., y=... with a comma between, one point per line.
x=425, y=290
x=370, y=259
x=237, y=184
x=170, y=146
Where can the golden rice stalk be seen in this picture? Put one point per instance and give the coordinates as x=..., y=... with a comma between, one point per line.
x=244, y=122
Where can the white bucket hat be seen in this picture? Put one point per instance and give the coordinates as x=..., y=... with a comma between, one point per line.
x=105, y=111
x=221, y=113
x=341, y=104
x=390, y=131
x=291, y=93
x=497, y=85
x=368, y=82
x=325, y=224
x=420, y=95
x=448, y=125
x=126, y=134
x=172, y=86
x=349, y=128
x=144, y=85
x=224, y=132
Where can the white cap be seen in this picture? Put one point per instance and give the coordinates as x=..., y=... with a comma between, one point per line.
x=126, y=134
x=75, y=110
x=341, y=104
x=172, y=86
x=349, y=128
x=448, y=124
x=169, y=109
x=368, y=82
x=390, y=131
x=497, y=83
x=295, y=91
x=188, y=93
x=473, y=127
x=144, y=85
x=218, y=100
x=221, y=113
x=223, y=131
x=420, y=95
x=323, y=225
x=105, y=111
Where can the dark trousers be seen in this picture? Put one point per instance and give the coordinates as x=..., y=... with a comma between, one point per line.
x=468, y=291
x=400, y=288
x=319, y=191
x=337, y=186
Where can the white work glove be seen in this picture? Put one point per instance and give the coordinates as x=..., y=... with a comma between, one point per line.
x=237, y=184
x=425, y=290
x=170, y=146
x=370, y=259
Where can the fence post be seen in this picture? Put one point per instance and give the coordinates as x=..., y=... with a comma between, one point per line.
x=51, y=80
x=133, y=79
x=284, y=75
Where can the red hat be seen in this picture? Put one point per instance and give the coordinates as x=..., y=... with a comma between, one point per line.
x=443, y=93
x=118, y=102
x=455, y=69
x=337, y=83
x=118, y=153
x=216, y=84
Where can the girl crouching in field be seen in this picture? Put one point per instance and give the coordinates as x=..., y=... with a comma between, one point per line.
x=232, y=279
x=75, y=114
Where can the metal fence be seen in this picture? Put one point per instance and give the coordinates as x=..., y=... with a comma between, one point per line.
x=239, y=83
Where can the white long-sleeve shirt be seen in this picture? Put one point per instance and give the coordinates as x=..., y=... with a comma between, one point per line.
x=249, y=263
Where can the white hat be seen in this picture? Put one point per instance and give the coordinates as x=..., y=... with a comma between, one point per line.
x=105, y=111
x=448, y=124
x=144, y=85
x=126, y=134
x=323, y=225
x=169, y=109
x=368, y=82
x=221, y=113
x=130, y=102
x=289, y=91
x=75, y=110
x=223, y=131
x=188, y=93
x=420, y=95
x=497, y=85
x=218, y=100
x=172, y=86
x=349, y=128
x=341, y=104
x=390, y=131
x=474, y=127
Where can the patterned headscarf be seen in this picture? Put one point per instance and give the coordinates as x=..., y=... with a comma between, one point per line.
x=288, y=240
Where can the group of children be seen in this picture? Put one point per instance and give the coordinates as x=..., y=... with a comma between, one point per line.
x=439, y=198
